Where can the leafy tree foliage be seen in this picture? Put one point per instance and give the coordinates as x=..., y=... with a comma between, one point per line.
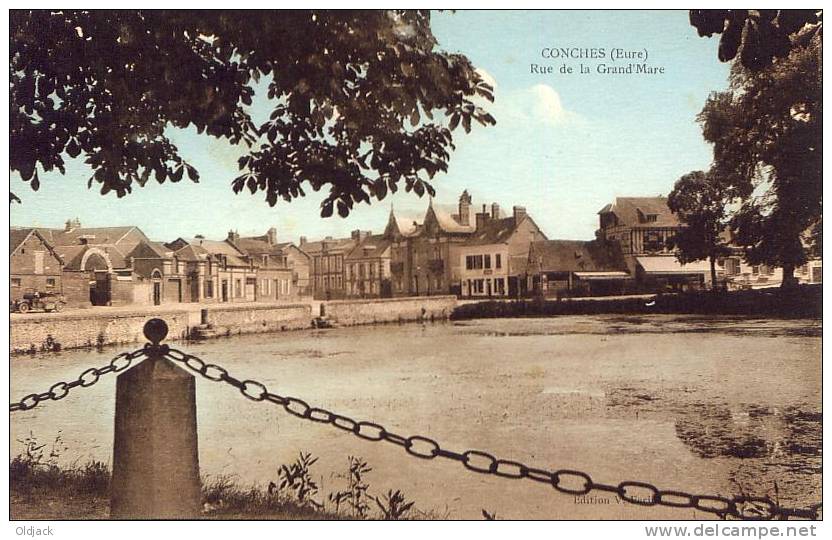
x=699, y=203
x=766, y=130
x=758, y=36
x=362, y=101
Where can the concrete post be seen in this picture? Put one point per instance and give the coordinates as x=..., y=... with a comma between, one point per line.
x=155, y=458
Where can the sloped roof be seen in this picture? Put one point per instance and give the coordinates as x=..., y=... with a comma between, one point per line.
x=191, y=253
x=494, y=231
x=151, y=250
x=232, y=255
x=372, y=246
x=256, y=246
x=286, y=247
x=334, y=246
x=102, y=235
x=407, y=227
x=630, y=211
x=17, y=237
x=73, y=255
x=445, y=220
x=576, y=256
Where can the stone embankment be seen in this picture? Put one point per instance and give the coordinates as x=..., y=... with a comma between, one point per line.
x=122, y=326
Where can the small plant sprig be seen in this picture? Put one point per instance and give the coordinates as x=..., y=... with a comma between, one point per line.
x=297, y=480
x=394, y=506
x=356, y=493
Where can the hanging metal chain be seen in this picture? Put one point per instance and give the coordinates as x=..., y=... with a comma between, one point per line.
x=88, y=378
x=567, y=481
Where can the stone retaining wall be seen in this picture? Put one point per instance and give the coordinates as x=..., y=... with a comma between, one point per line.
x=352, y=312
x=94, y=327
x=86, y=329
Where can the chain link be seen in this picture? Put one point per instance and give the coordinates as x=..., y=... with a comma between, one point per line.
x=89, y=377
x=571, y=482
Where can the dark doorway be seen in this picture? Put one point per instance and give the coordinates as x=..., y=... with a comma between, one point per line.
x=224, y=290
x=157, y=293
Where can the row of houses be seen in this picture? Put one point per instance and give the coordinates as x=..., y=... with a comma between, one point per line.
x=486, y=253
x=457, y=250
x=122, y=266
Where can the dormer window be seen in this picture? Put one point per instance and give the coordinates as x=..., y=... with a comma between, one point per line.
x=651, y=218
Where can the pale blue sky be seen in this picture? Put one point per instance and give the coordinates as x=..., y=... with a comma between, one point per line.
x=564, y=145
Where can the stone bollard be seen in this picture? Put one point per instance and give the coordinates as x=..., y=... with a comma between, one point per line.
x=155, y=458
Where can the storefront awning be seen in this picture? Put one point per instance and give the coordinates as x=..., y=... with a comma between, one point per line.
x=601, y=275
x=669, y=265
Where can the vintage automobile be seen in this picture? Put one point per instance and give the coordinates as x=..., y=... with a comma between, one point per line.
x=45, y=301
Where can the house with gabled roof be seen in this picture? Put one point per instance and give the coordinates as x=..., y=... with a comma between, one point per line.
x=216, y=270
x=327, y=276
x=493, y=260
x=577, y=268
x=34, y=265
x=282, y=269
x=642, y=227
x=90, y=249
x=95, y=266
x=447, y=252
x=367, y=268
x=173, y=274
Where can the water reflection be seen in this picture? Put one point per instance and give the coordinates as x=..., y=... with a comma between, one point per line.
x=753, y=431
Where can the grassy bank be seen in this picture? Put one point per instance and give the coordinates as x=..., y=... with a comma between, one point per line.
x=40, y=488
x=800, y=302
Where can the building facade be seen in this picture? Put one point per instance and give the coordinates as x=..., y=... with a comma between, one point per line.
x=275, y=279
x=227, y=277
x=328, y=273
x=642, y=228
x=100, y=254
x=34, y=265
x=577, y=268
x=457, y=252
x=738, y=274
x=367, y=268
x=493, y=261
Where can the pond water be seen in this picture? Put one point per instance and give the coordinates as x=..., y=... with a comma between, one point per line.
x=724, y=405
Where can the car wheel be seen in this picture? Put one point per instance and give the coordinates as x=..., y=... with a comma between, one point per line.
x=59, y=306
x=23, y=307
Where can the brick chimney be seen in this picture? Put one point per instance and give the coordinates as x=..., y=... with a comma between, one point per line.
x=272, y=236
x=302, y=240
x=233, y=236
x=359, y=235
x=465, y=208
x=495, y=211
x=482, y=217
x=519, y=213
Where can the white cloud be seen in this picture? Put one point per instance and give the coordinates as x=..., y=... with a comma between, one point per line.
x=536, y=104
x=546, y=104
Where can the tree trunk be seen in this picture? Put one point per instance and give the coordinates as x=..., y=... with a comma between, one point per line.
x=789, y=280
x=713, y=273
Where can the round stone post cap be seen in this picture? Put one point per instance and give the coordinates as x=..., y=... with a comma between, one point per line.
x=155, y=330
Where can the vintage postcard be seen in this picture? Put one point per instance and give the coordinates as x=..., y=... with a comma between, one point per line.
x=390, y=264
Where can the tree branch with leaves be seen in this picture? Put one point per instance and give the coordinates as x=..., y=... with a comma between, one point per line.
x=362, y=102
